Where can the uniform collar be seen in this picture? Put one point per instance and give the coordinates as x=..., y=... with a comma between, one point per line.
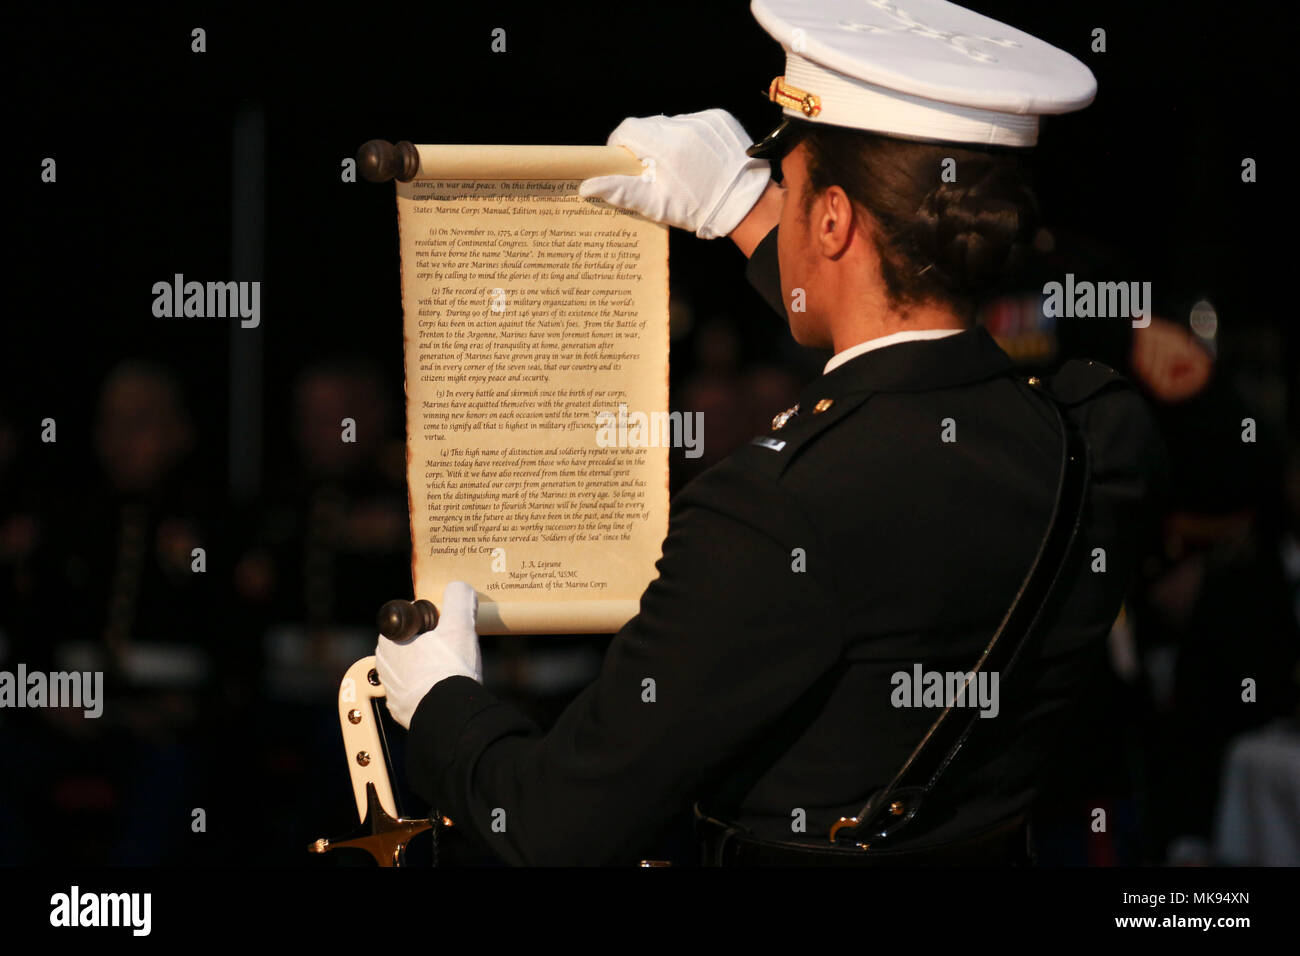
x=914, y=366
x=881, y=341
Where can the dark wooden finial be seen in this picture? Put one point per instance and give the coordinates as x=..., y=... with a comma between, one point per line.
x=400, y=619
x=378, y=161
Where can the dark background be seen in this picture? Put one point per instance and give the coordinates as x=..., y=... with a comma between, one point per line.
x=226, y=165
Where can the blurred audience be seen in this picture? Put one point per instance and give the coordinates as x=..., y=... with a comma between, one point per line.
x=223, y=630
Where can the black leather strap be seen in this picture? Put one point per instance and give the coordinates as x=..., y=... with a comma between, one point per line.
x=727, y=844
x=890, y=809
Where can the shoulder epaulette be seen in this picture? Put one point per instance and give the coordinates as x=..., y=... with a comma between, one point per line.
x=1079, y=379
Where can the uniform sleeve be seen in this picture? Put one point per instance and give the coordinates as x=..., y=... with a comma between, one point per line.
x=728, y=638
x=764, y=273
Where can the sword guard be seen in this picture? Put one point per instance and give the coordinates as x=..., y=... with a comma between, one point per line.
x=382, y=836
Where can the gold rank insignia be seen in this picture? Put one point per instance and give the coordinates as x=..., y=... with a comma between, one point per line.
x=778, y=421
x=822, y=405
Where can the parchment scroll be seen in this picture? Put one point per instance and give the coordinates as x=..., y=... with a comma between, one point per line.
x=529, y=312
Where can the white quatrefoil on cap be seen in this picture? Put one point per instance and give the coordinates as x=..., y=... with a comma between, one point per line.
x=909, y=24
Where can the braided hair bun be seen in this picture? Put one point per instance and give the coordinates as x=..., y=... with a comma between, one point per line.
x=976, y=231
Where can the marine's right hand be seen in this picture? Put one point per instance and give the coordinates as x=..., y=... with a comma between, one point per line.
x=696, y=174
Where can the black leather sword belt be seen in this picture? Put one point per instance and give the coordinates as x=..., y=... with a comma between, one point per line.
x=728, y=844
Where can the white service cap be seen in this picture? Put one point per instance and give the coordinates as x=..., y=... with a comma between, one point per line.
x=923, y=69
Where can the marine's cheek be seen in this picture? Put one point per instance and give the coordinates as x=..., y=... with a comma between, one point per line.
x=794, y=269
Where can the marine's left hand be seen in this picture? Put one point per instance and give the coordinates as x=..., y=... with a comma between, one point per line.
x=410, y=668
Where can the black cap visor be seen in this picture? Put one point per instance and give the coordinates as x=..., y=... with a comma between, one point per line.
x=777, y=143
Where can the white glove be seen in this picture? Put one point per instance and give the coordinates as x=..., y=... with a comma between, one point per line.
x=697, y=175
x=410, y=668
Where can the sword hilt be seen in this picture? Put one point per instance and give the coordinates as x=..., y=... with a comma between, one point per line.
x=383, y=832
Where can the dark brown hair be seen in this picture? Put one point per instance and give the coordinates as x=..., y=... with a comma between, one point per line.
x=948, y=242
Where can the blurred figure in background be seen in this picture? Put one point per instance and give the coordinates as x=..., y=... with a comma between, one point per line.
x=325, y=547
x=27, y=592
x=1255, y=606
x=332, y=530
x=136, y=602
x=1218, y=637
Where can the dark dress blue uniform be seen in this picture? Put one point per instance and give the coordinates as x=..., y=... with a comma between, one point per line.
x=772, y=685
